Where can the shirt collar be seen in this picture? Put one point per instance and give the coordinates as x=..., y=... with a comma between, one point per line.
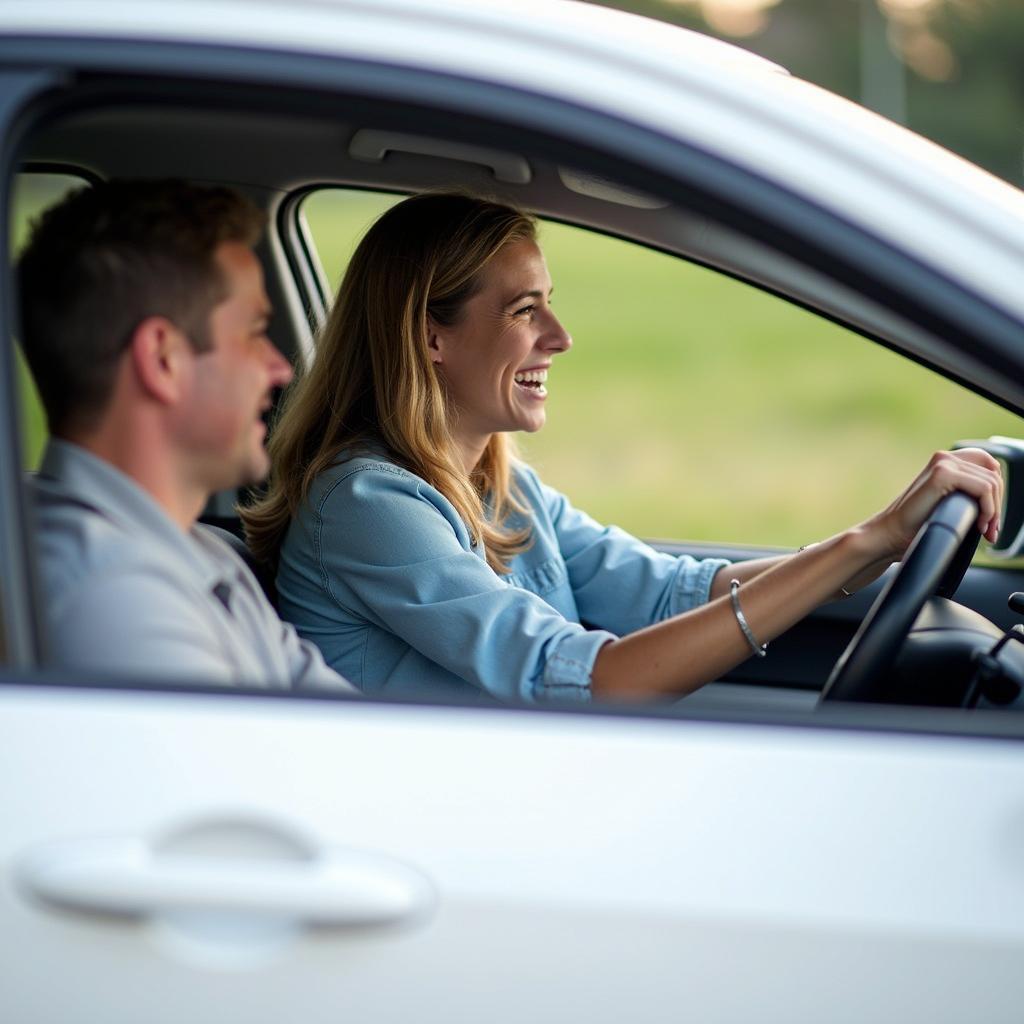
x=97, y=483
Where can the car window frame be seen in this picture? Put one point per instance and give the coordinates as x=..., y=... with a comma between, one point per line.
x=21, y=635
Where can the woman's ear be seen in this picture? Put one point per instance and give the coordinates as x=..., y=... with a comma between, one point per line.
x=435, y=342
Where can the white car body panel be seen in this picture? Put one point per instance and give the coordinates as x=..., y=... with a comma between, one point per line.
x=586, y=868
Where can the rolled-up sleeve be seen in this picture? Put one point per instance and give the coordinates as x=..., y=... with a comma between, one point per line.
x=393, y=550
x=620, y=583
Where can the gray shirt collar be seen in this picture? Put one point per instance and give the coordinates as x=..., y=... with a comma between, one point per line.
x=83, y=477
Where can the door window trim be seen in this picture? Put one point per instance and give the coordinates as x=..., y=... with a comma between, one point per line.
x=21, y=635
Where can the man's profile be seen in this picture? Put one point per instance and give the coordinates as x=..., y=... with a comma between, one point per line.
x=144, y=322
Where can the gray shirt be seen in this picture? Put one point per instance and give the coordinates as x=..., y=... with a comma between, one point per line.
x=127, y=593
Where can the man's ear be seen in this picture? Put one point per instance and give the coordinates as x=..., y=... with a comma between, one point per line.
x=161, y=356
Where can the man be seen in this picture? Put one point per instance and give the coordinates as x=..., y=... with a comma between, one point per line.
x=144, y=322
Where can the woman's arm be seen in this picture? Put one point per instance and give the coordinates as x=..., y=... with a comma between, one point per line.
x=680, y=654
x=750, y=568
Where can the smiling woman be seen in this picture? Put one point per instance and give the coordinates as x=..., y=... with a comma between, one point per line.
x=424, y=559
x=494, y=359
x=374, y=383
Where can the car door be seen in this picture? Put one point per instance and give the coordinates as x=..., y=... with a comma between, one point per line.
x=172, y=854
x=216, y=857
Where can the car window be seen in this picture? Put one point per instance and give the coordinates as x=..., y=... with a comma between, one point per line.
x=33, y=192
x=693, y=406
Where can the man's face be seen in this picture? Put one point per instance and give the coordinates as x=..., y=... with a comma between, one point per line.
x=220, y=421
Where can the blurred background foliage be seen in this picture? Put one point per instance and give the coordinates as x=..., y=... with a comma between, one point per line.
x=951, y=70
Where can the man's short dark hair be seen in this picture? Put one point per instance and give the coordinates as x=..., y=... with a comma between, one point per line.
x=103, y=260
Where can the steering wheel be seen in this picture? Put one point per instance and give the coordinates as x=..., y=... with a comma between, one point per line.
x=935, y=563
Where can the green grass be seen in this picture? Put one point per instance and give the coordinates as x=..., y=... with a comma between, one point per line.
x=693, y=406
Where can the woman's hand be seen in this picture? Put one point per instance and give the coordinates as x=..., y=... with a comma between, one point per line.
x=970, y=470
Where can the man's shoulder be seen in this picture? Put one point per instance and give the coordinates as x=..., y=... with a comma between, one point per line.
x=105, y=569
x=75, y=539
x=222, y=545
x=234, y=560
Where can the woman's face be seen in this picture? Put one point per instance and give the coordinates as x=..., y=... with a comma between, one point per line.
x=495, y=360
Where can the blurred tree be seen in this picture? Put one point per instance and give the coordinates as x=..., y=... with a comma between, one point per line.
x=953, y=70
x=975, y=106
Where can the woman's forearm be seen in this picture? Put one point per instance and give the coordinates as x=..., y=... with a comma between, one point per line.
x=748, y=569
x=678, y=655
x=743, y=571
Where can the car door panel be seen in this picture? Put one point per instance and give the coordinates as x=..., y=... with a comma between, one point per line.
x=579, y=861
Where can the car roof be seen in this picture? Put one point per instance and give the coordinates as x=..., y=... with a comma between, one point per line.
x=306, y=24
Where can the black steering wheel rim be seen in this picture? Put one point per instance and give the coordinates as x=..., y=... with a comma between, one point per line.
x=934, y=563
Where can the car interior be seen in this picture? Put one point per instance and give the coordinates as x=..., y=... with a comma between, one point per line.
x=279, y=146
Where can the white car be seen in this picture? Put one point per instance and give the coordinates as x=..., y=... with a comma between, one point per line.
x=750, y=854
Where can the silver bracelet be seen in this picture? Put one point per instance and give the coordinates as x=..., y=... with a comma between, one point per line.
x=734, y=595
x=842, y=590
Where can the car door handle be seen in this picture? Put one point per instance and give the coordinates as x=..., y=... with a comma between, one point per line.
x=344, y=888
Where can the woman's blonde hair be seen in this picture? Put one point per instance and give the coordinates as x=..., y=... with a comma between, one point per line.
x=372, y=379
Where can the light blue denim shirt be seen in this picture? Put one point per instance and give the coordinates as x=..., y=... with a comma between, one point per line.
x=379, y=570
